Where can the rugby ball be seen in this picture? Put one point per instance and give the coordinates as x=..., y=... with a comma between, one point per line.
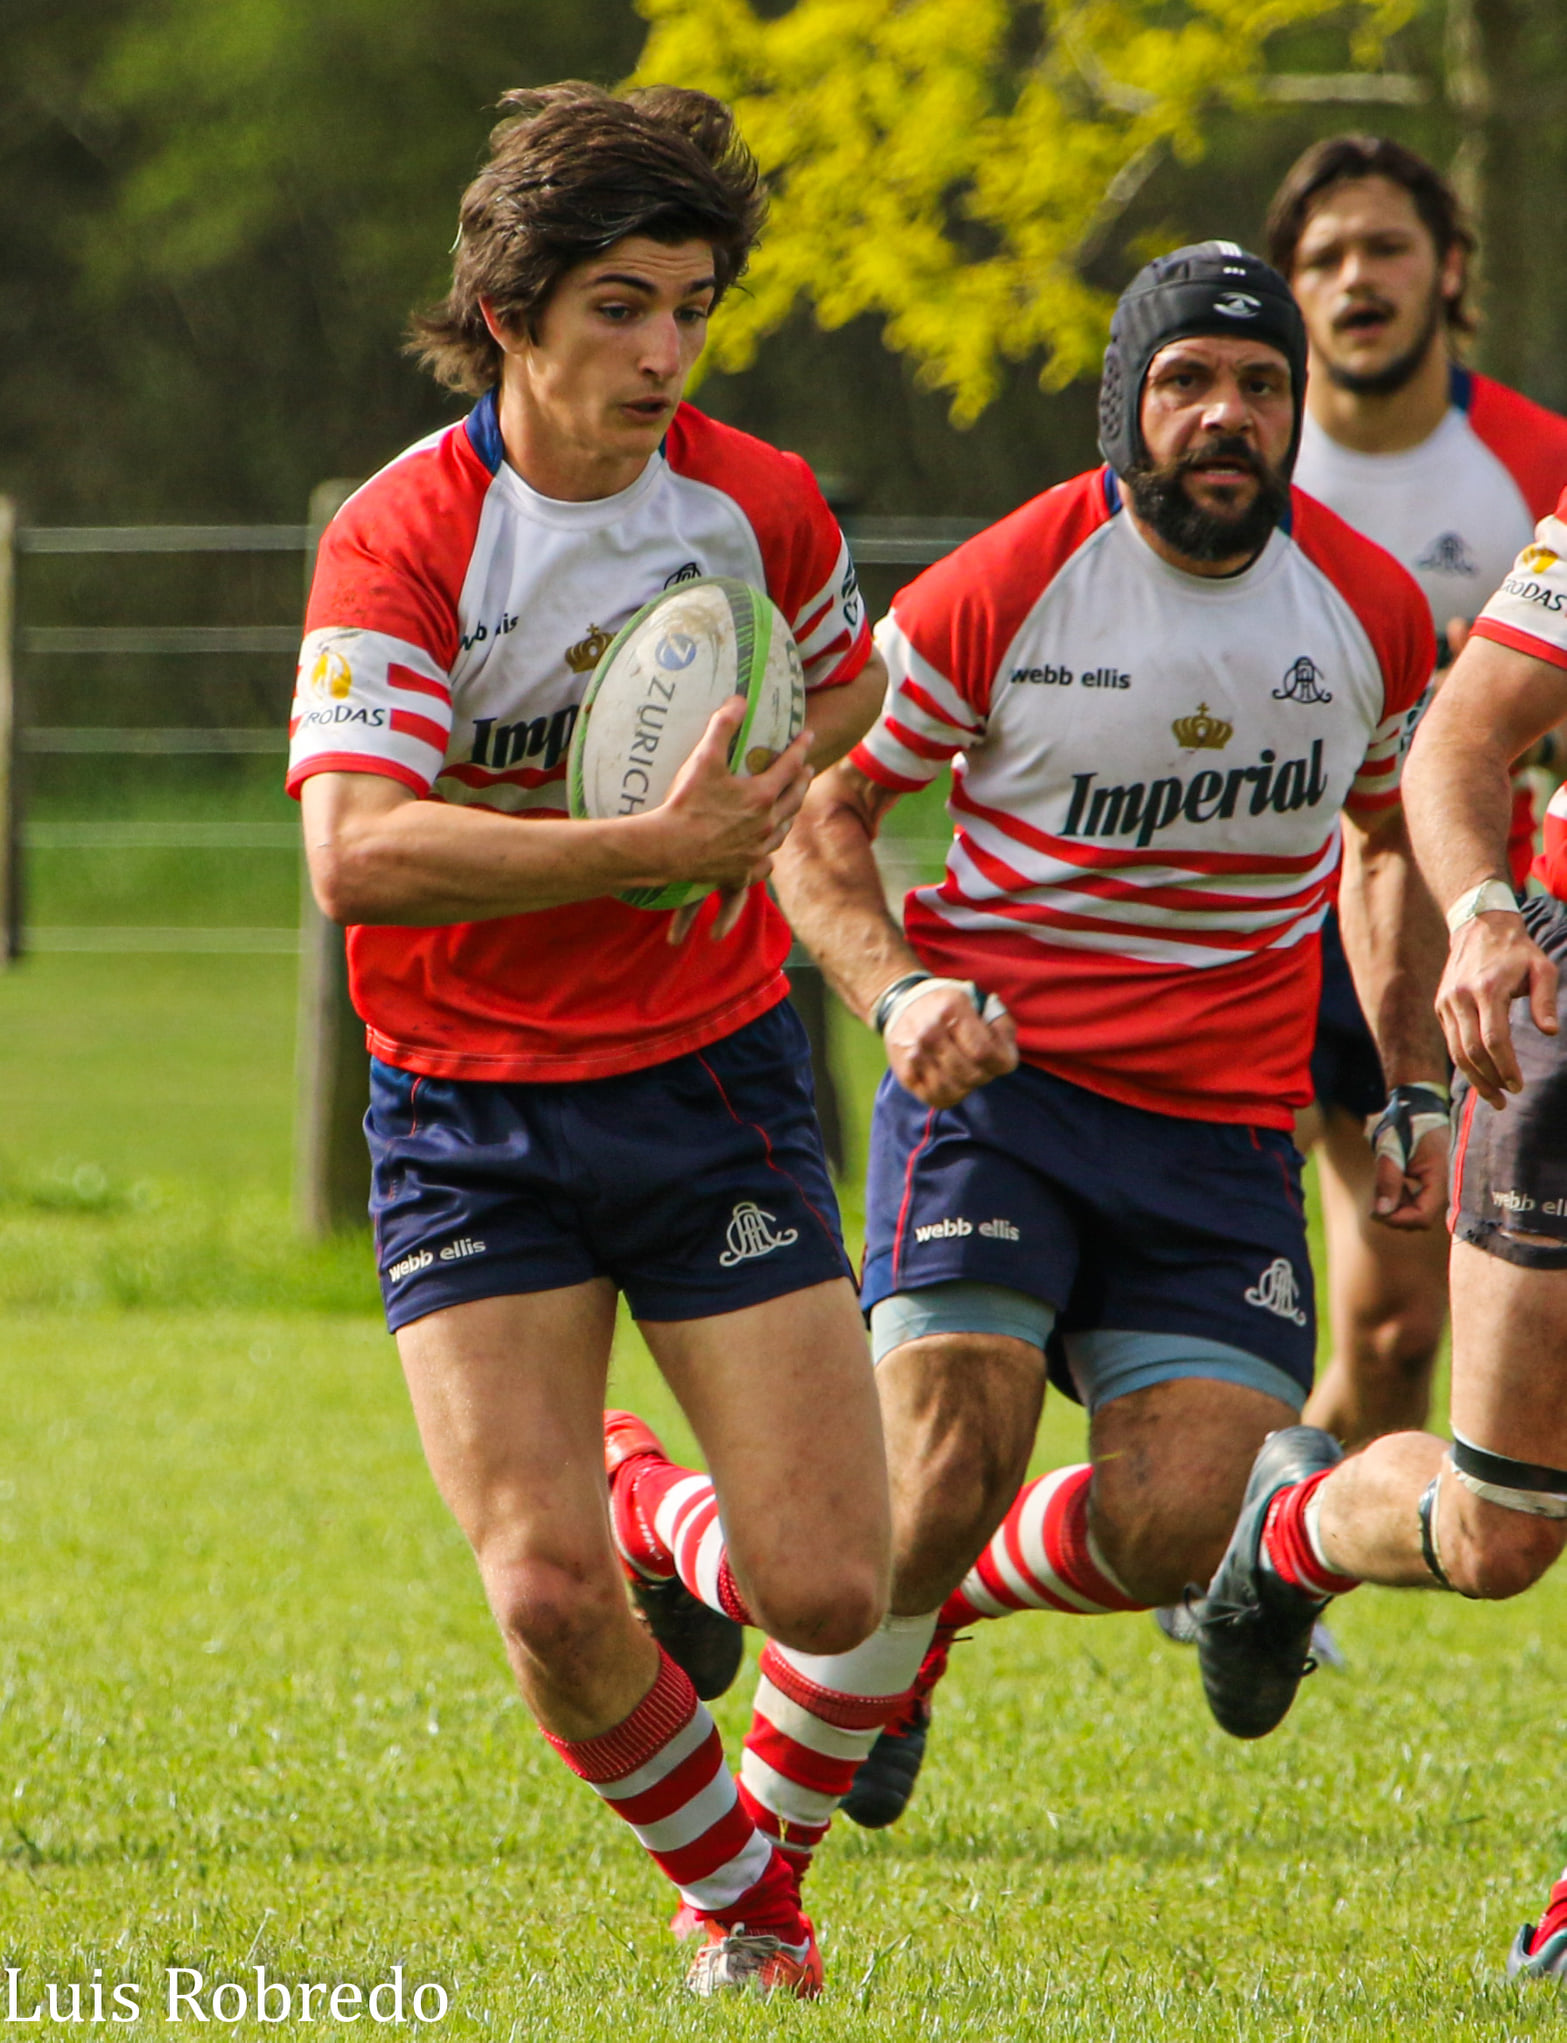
x=651, y=696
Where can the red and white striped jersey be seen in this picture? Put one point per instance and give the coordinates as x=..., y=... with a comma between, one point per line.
x=1147, y=769
x=454, y=622
x=1455, y=509
x=1529, y=613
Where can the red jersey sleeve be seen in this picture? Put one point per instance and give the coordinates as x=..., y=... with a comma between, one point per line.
x=947, y=634
x=805, y=557
x=1529, y=441
x=372, y=693
x=1396, y=618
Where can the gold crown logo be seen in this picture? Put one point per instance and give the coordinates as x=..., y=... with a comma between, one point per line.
x=332, y=675
x=1202, y=733
x=1534, y=560
x=585, y=655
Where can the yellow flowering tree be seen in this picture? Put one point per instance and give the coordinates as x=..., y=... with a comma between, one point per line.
x=929, y=168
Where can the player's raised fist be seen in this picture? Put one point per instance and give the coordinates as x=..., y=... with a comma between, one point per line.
x=941, y=1047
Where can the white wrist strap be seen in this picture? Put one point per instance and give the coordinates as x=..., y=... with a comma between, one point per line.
x=989, y=1007
x=1491, y=897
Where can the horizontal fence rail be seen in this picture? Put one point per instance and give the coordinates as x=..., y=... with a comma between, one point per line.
x=160, y=836
x=159, y=638
x=153, y=738
x=132, y=938
x=889, y=542
x=163, y=539
x=907, y=542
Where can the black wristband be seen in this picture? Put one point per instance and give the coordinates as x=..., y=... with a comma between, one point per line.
x=890, y=993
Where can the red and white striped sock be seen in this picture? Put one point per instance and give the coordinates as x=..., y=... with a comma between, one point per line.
x=1041, y=1557
x=662, y=1769
x=667, y=1523
x=1290, y=1545
x=1554, y=1918
x=815, y=1718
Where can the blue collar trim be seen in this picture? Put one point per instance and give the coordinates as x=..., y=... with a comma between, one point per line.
x=483, y=426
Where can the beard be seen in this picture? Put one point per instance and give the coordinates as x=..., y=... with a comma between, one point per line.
x=1392, y=376
x=1160, y=498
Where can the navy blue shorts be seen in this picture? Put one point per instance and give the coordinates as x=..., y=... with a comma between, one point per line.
x=697, y=1185
x=1123, y=1220
x=1346, y=1070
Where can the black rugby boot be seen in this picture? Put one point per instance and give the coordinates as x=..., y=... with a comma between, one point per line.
x=1254, y=1630
x=704, y=1644
x=707, y=1646
x=884, y=1785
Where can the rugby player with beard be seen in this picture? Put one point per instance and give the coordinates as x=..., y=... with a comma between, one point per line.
x=1098, y=1024
x=1449, y=471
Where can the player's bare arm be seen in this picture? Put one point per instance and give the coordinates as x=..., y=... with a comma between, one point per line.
x=379, y=854
x=938, y=1046
x=1394, y=940
x=840, y=717
x=1497, y=702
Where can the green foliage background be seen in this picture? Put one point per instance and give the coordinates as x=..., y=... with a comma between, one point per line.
x=216, y=215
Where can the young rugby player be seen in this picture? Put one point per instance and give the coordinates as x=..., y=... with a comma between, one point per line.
x=1486, y=1514
x=1450, y=472
x=1157, y=686
x=571, y=1097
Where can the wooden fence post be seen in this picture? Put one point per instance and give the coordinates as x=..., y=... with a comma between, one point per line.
x=10, y=796
x=331, y=1065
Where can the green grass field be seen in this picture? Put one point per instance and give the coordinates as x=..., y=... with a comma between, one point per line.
x=252, y=1710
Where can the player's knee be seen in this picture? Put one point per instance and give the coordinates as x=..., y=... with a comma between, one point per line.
x=1402, y=1346
x=834, y=1612
x=958, y=1487
x=553, y=1611
x=1155, y=1560
x=1502, y=1553
x=1161, y=1531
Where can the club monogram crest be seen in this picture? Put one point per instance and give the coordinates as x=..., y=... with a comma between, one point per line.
x=750, y=1234
x=1275, y=1291
x=1301, y=683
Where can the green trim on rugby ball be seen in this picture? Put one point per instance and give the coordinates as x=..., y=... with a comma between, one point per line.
x=751, y=613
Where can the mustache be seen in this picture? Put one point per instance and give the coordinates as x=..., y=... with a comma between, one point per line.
x=1344, y=321
x=1228, y=448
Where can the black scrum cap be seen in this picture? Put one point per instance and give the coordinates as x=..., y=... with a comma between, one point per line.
x=1212, y=287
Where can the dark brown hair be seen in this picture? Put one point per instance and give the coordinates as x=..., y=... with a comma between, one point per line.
x=572, y=170
x=1341, y=158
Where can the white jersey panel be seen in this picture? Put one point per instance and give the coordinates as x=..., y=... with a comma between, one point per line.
x=1447, y=509
x=546, y=588
x=1220, y=724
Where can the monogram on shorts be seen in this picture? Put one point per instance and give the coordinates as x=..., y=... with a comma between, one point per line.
x=750, y=1234
x=1274, y=1291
